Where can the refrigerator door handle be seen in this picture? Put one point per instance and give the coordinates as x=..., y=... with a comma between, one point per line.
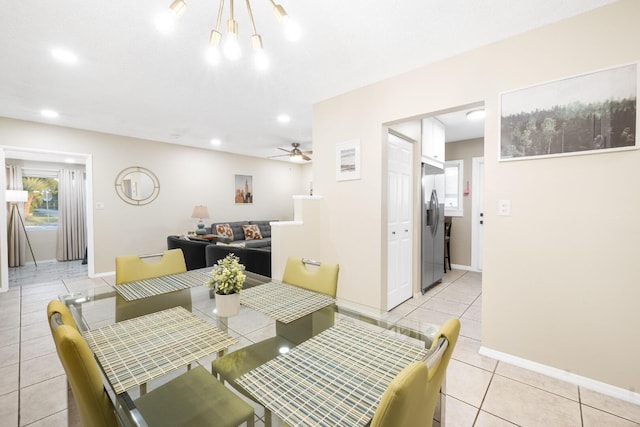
x=435, y=214
x=437, y=202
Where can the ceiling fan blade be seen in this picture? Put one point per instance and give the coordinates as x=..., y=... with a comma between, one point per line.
x=305, y=157
x=279, y=155
x=308, y=152
x=288, y=151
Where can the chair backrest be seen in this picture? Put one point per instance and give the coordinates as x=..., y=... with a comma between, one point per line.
x=447, y=226
x=411, y=397
x=82, y=371
x=66, y=318
x=130, y=268
x=323, y=277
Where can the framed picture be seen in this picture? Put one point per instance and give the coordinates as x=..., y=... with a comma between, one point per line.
x=348, y=160
x=590, y=113
x=243, y=189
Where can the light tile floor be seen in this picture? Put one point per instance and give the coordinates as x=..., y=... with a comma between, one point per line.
x=480, y=390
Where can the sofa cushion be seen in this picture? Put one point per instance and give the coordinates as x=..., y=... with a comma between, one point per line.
x=260, y=243
x=265, y=227
x=251, y=232
x=224, y=230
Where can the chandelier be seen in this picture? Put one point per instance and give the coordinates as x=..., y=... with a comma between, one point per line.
x=229, y=45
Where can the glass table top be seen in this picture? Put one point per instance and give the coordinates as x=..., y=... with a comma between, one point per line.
x=262, y=340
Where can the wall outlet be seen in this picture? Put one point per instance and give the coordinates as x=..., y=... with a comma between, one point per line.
x=504, y=207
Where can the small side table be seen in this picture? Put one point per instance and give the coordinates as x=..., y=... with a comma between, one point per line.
x=209, y=237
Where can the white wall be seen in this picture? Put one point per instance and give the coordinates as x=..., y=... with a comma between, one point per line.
x=560, y=278
x=188, y=177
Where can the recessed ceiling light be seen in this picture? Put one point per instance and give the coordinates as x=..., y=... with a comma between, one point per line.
x=476, y=114
x=49, y=114
x=284, y=118
x=65, y=56
x=215, y=141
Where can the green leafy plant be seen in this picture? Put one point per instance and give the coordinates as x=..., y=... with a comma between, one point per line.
x=227, y=276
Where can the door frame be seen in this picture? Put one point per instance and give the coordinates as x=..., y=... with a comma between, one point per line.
x=476, y=209
x=88, y=164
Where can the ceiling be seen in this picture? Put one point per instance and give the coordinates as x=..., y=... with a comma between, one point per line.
x=132, y=80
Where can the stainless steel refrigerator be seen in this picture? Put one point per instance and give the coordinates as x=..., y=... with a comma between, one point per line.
x=432, y=226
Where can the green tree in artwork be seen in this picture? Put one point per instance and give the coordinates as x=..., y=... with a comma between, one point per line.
x=548, y=132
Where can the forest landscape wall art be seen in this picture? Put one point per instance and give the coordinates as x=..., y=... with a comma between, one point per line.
x=589, y=113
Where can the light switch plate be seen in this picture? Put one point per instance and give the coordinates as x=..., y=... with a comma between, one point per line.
x=99, y=205
x=504, y=207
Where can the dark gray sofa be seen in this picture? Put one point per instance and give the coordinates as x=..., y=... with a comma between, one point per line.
x=192, y=249
x=256, y=260
x=255, y=254
x=238, y=234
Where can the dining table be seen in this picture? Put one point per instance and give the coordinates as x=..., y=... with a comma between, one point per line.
x=306, y=357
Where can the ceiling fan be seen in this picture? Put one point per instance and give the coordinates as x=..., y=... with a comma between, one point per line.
x=295, y=154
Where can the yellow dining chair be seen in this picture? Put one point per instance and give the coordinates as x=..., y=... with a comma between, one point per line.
x=195, y=398
x=130, y=268
x=323, y=277
x=315, y=276
x=410, y=399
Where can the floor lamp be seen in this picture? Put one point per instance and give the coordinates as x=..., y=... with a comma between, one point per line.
x=14, y=197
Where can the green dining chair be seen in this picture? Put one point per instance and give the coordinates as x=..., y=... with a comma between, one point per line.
x=316, y=276
x=410, y=399
x=195, y=398
x=131, y=268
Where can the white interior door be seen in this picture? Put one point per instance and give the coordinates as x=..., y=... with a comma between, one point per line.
x=477, y=214
x=400, y=221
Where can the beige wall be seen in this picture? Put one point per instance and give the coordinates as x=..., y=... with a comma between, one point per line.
x=560, y=278
x=461, y=226
x=188, y=177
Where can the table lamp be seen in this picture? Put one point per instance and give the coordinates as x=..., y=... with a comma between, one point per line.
x=200, y=212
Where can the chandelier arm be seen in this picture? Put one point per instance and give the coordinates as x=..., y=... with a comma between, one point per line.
x=253, y=24
x=220, y=10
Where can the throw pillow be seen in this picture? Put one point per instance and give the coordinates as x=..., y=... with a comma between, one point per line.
x=224, y=230
x=251, y=232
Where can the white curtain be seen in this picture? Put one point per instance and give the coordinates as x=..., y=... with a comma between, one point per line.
x=15, y=232
x=72, y=223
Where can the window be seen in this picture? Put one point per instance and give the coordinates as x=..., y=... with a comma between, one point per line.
x=41, y=208
x=453, y=175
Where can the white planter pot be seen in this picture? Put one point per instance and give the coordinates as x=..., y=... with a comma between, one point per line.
x=227, y=305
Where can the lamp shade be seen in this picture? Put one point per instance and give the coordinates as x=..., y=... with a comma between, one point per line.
x=17, y=196
x=200, y=212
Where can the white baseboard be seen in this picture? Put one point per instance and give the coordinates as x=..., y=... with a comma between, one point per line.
x=464, y=267
x=597, y=386
x=105, y=274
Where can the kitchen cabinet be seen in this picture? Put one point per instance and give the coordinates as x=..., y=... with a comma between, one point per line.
x=433, y=139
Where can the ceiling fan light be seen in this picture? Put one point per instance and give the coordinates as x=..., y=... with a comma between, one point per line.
x=296, y=158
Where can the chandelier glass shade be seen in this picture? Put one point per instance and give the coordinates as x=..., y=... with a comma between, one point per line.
x=227, y=45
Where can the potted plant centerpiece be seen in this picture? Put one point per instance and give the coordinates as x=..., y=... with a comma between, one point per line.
x=227, y=279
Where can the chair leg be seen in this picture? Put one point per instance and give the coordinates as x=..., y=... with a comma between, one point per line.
x=449, y=255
